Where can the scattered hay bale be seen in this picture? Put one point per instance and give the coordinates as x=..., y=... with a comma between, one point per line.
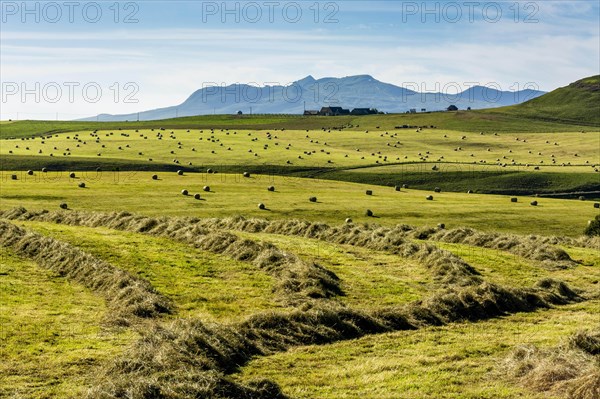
x=313, y=199
x=246, y=174
x=180, y=172
x=271, y=188
x=533, y=203
x=513, y=199
x=81, y=185
x=184, y=192
x=369, y=213
x=437, y=190
x=196, y=196
x=206, y=188
x=262, y=206
x=429, y=198
x=369, y=192
x=63, y=205
x=72, y=175
x=154, y=177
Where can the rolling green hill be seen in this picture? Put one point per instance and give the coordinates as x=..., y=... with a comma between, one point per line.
x=577, y=103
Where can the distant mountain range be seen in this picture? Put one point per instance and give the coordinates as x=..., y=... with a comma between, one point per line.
x=361, y=91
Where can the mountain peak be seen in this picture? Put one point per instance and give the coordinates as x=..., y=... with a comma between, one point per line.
x=306, y=80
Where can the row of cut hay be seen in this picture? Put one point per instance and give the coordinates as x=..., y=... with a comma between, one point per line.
x=391, y=238
x=297, y=281
x=128, y=296
x=527, y=247
x=175, y=361
x=571, y=370
x=446, y=267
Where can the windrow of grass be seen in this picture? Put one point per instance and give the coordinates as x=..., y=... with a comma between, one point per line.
x=192, y=359
x=51, y=332
x=202, y=284
x=298, y=282
x=454, y=361
x=294, y=276
x=366, y=277
x=128, y=296
x=571, y=370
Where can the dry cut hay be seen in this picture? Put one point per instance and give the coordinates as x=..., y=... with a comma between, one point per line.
x=128, y=296
x=186, y=355
x=569, y=370
x=297, y=281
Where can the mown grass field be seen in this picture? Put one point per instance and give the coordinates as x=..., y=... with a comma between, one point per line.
x=236, y=195
x=142, y=292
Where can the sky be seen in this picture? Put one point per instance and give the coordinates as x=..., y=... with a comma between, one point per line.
x=73, y=59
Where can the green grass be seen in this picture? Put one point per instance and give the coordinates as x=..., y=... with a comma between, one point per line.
x=458, y=361
x=510, y=270
x=234, y=195
x=201, y=284
x=368, y=277
x=578, y=103
x=487, y=163
x=51, y=338
x=468, y=121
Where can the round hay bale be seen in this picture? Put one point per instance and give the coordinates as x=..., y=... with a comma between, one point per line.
x=30, y=172
x=209, y=170
x=313, y=199
x=154, y=177
x=206, y=188
x=44, y=170
x=180, y=172
x=581, y=198
x=369, y=213
x=262, y=206
x=369, y=192
x=429, y=198
x=437, y=190
x=196, y=196
x=184, y=192
x=469, y=191
x=533, y=203
x=348, y=220
x=63, y=205
x=271, y=188
x=98, y=169
x=81, y=185
x=397, y=188
x=513, y=199
x=72, y=175
x=246, y=174
x=596, y=205
x=405, y=186
x=13, y=177
x=441, y=226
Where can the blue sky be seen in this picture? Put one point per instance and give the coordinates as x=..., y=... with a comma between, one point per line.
x=134, y=56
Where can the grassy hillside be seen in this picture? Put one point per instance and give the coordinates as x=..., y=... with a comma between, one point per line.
x=467, y=121
x=577, y=103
